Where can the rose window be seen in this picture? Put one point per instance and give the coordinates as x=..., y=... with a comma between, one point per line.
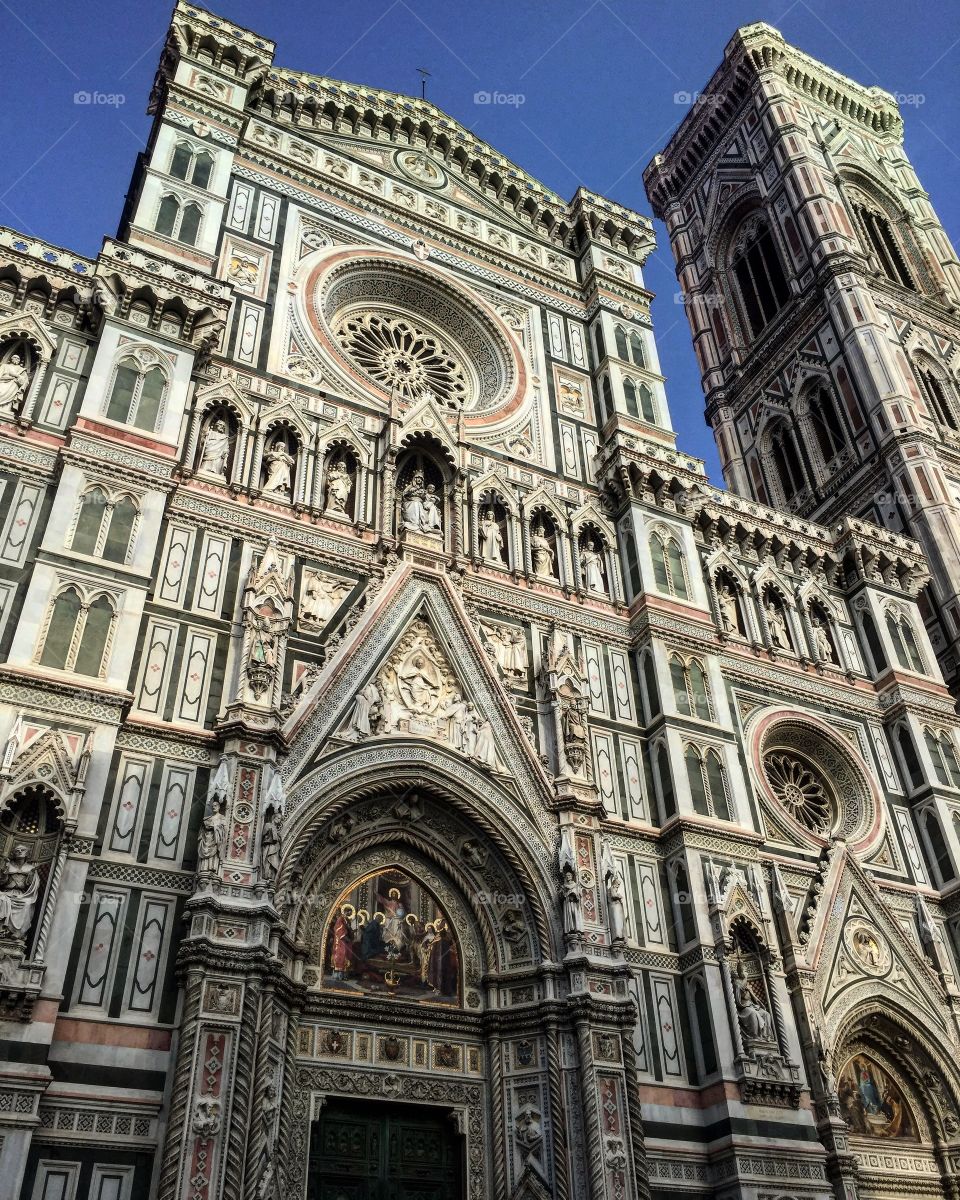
x=403, y=358
x=799, y=789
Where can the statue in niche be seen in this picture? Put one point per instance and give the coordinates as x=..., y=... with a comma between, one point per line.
x=14, y=380
x=19, y=888
x=365, y=710
x=421, y=507
x=822, y=640
x=213, y=835
x=529, y=1130
x=321, y=598
x=280, y=463
x=216, y=448
x=541, y=551
x=574, y=726
x=270, y=845
x=491, y=539
x=755, y=1021
x=777, y=624
x=570, y=891
x=339, y=487
x=727, y=603
x=615, y=906
x=591, y=563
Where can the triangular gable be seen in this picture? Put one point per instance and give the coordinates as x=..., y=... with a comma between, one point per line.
x=415, y=610
x=859, y=950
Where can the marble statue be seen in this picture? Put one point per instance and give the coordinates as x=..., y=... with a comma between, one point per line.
x=777, y=624
x=591, y=563
x=280, y=464
x=755, y=1021
x=19, y=888
x=491, y=539
x=615, y=906
x=363, y=718
x=727, y=603
x=421, y=507
x=541, y=551
x=570, y=889
x=14, y=378
x=270, y=845
x=339, y=487
x=822, y=639
x=213, y=835
x=216, y=448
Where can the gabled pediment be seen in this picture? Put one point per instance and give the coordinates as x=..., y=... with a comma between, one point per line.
x=859, y=949
x=413, y=669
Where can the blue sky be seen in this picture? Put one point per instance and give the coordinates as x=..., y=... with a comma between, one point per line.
x=598, y=85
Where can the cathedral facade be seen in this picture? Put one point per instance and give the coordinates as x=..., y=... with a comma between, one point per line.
x=417, y=779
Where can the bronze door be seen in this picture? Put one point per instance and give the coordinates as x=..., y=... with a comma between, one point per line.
x=384, y=1152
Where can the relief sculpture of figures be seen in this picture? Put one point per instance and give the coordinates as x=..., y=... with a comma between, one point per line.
x=14, y=378
x=19, y=888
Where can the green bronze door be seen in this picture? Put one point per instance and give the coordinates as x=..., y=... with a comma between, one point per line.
x=384, y=1152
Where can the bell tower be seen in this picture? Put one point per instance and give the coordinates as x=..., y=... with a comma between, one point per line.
x=822, y=295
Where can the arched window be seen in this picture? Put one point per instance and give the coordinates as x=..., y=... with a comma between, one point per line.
x=938, y=846
x=786, y=460
x=884, y=244
x=636, y=349
x=78, y=633
x=668, y=566
x=684, y=904
x=665, y=780
x=182, y=161
x=696, y=780
x=943, y=755
x=908, y=752
x=90, y=521
x=827, y=423
x=622, y=348
x=598, y=342
x=938, y=401
x=650, y=686
x=690, y=688
x=759, y=274
x=606, y=398
x=873, y=643
x=179, y=221
x=904, y=641
x=639, y=400
x=136, y=397
x=104, y=527
x=703, y=1023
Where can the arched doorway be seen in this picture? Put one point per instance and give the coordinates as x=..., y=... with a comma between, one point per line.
x=410, y=906
x=900, y=1107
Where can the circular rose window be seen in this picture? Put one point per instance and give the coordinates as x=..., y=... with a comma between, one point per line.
x=408, y=332
x=800, y=789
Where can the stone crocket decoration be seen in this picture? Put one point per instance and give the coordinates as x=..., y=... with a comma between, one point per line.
x=19, y=888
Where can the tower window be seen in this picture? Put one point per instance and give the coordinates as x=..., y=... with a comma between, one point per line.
x=760, y=277
x=137, y=395
x=884, y=245
x=179, y=221
x=827, y=423
x=938, y=402
x=668, y=568
x=787, y=461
